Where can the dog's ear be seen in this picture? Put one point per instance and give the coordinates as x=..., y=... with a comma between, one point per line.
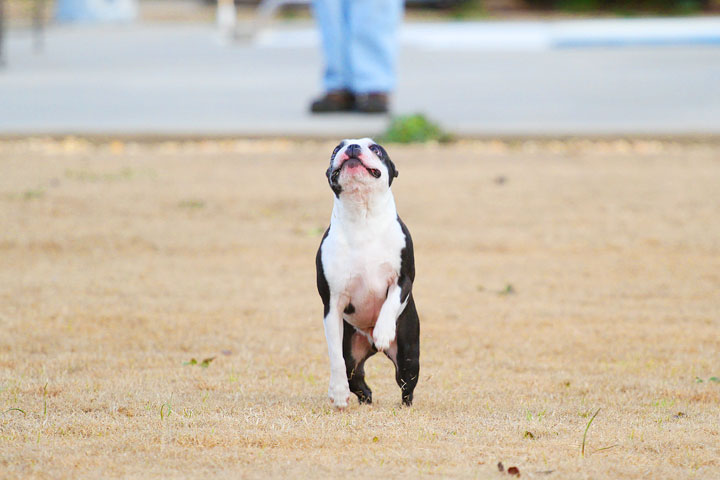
x=332, y=178
x=392, y=171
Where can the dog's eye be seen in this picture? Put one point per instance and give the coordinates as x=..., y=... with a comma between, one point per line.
x=337, y=149
x=376, y=150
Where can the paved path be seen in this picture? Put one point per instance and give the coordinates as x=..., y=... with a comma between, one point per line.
x=178, y=79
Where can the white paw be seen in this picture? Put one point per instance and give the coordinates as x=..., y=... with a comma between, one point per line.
x=339, y=393
x=383, y=335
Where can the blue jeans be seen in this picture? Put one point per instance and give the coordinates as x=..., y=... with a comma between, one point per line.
x=360, y=43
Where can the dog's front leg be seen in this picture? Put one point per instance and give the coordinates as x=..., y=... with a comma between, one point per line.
x=384, y=331
x=339, y=390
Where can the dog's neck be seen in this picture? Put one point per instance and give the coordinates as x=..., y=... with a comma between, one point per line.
x=355, y=208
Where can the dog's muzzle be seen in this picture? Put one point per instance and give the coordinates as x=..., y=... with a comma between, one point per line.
x=354, y=161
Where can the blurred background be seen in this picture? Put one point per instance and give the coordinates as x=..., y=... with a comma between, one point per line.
x=155, y=258
x=475, y=67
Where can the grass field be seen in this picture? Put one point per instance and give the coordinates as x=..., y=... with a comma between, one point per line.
x=553, y=279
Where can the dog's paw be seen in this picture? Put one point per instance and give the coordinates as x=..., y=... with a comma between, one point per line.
x=339, y=394
x=383, y=335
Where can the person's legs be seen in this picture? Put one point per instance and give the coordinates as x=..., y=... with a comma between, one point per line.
x=332, y=20
x=374, y=26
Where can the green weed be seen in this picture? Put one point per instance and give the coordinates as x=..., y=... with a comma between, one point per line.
x=508, y=290
x=33, y=194
x=204, y=364
x=192, y=203
x=15, y=409
x=166, y=409
x=587, y=427
x=415, y=128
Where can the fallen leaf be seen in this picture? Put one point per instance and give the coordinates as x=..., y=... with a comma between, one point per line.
x=529, y=435
x=514, y=471
x=501, y=468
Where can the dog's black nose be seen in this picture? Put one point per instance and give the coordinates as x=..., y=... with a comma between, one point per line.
x=353, y=151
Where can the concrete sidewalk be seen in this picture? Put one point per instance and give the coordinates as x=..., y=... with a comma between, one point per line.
x=534, y=35
x=179, y=80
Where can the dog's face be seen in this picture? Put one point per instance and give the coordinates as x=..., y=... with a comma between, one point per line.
x=360, y=165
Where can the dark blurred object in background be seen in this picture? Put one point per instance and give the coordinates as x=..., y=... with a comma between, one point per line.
x=621, y=6
x=578, y=6
x=409, y=3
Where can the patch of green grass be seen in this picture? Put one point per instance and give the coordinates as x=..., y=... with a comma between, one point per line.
x=663, y=403
x=33, y=194
x=415, y=128
x=83, y=175
x=627, y=9
x=166, y=409
x=468, y=9
x=192, y=203
x=686, y=7
x=508, y=290
x=293, y=12
x=579, y=5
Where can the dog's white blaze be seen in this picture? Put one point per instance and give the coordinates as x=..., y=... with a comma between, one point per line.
x=361, y=259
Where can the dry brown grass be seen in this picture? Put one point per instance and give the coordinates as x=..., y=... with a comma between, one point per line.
x=118, y=263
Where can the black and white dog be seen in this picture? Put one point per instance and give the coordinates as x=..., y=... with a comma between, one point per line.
x=365, y=271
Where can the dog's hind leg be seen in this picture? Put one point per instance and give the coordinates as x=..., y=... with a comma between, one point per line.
x=406, y=355
x=357, y=349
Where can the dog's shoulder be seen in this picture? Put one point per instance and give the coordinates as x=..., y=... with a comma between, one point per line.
x=407, y=254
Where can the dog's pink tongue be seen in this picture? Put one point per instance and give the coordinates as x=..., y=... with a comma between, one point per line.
x=353, y=165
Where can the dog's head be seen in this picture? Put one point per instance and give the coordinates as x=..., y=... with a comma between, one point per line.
x=360, y=165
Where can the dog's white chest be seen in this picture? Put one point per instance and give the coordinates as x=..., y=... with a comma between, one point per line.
x=360, y=264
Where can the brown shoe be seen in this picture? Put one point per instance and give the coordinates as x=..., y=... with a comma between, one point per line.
x=372, y=102
x=334, y=101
